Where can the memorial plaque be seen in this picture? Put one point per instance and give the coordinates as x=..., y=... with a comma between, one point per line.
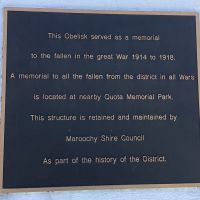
x=99, y=99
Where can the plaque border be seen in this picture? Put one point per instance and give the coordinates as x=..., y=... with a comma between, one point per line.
x=52, y=10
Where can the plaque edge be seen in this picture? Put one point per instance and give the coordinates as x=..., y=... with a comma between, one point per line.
x=82, y=11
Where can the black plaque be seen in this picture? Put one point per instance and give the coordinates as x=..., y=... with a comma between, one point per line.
x=95, y=98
